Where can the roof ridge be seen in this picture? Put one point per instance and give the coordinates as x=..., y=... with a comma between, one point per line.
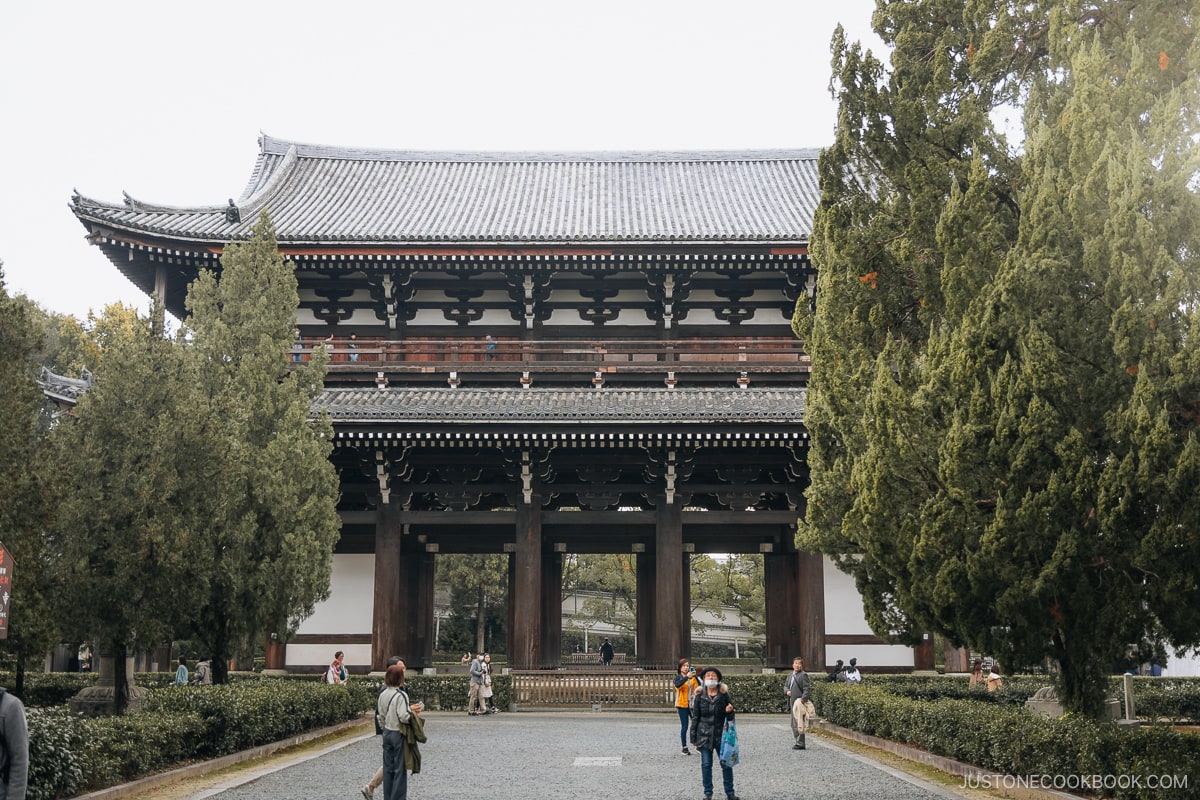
x=273, y=146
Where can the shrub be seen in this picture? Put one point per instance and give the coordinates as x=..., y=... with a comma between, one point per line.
x=69, y=752
x=1012, y=740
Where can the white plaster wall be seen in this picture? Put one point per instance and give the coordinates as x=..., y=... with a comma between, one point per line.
x=357, y=655
x=843, y=605
x=844, y=615
x=1188, y=666
x=349, y=609
x=871, y=655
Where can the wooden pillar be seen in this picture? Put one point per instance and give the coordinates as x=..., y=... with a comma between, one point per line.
x=958, y=659
x=552, y=570
x=668, y=582
x=388, y=609
x=781, y=584
x=924, y=659
x=812, y=611
x=275, y=653
x=645, y=609
x=417, y=647
x=686, y=593
x=526, y=589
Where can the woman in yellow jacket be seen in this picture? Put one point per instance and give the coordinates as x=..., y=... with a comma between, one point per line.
x=686, y=684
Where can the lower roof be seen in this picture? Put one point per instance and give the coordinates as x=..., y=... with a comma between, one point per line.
x=780, y=406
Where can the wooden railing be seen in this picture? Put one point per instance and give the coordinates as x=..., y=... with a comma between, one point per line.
x=607, y=355
x=594, y=688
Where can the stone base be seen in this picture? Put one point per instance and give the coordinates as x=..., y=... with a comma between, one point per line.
x=97, y=701
x=274, y=673
x=1045, y=703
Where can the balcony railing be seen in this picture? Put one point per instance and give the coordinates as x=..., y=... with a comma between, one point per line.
x=754, y=354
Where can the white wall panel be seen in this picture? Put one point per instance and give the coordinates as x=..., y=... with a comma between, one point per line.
x=351, y=600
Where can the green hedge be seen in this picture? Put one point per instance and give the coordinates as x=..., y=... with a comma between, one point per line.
x=70, y=753
x=1014, y=741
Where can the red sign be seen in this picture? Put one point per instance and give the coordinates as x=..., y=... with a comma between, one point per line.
x=6, y=571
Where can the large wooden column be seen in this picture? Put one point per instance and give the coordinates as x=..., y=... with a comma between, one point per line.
x=686, y=595
x=525, y=590
x=668, y=583
x=552, y=570
x=781, y=585
x=416, y=647
x=812, y=611
x=795, y=589
x=388, y=609
x=646, y=570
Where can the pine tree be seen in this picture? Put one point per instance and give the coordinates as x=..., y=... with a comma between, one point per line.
x=272, y=518
x=129, y=500
x=1019, y=474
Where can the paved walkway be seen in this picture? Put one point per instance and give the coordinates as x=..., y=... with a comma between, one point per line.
x=580, y=756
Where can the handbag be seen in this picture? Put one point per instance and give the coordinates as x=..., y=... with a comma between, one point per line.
x=729, y=745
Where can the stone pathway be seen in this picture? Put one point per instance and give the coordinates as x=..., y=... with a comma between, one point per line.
x=607, y=755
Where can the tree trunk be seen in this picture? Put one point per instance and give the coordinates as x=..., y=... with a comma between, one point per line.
x=480, y=619
x=1080, y=682
x=120, y=679
x=220, y=657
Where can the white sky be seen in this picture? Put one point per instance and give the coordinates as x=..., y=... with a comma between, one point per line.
x=165, y=100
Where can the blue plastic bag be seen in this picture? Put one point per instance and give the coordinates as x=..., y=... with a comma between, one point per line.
x=729, y=745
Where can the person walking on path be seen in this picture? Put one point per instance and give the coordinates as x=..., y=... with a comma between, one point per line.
x=606, y=652
x=396, y=712
x=474, y=701
x=797, y=688
x=486, y=703
x=686, y=684
x=181, y=673
x=368, y=791
x=711, y=708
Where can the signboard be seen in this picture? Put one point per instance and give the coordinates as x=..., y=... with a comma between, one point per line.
x=6, y=571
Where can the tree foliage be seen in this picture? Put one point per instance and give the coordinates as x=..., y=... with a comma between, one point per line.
x=128, y=529
x=25, y=502
x=271, y=504
x=478, y=586
x=1003, y=404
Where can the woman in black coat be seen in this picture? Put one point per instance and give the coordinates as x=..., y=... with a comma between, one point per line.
x=710, y=708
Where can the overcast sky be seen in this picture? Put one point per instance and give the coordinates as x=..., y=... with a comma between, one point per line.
x=166, y=100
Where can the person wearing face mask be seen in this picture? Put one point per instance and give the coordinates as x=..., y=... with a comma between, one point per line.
x=710, y=709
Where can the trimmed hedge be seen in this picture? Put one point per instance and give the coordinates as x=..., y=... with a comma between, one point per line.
x=69, y=753
x=1014, y=741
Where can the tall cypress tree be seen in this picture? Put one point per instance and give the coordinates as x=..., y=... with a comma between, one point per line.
x=129, y=500
x=1021, y=477
x=272, y=519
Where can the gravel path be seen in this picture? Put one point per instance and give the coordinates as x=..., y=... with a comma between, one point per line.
x=626, y=756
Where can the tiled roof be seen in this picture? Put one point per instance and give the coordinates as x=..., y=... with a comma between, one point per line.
x=62, y=388
x=633, y=406
x=319, y=194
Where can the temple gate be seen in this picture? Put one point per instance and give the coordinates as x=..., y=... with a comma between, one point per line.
x=539, y=354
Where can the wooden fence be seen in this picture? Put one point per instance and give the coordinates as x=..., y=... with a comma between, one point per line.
x=641, y=689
